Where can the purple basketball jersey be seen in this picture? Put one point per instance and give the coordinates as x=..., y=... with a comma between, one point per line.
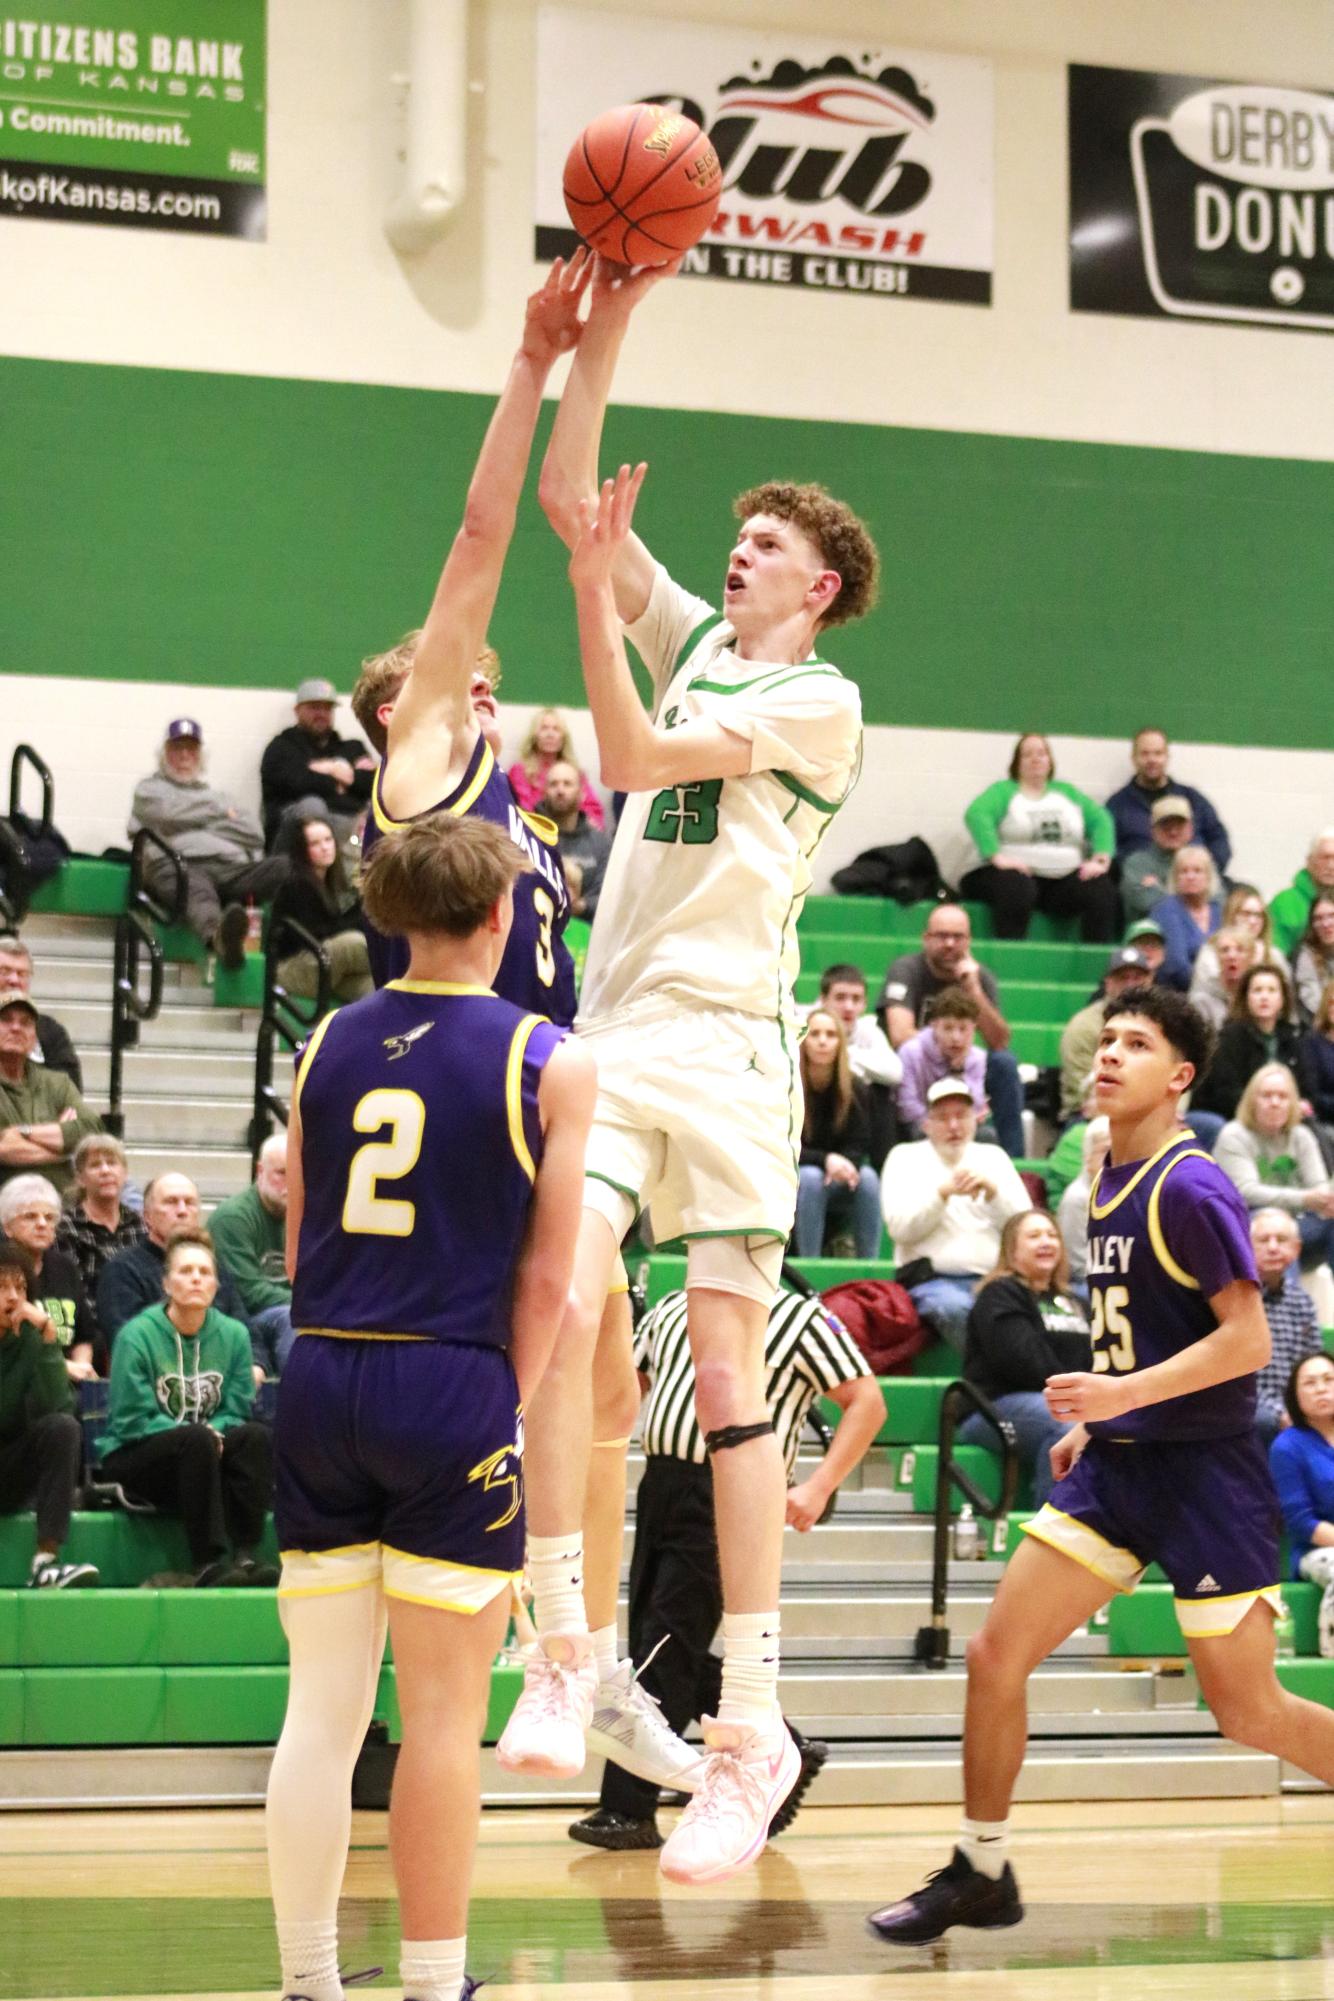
x=1165, y=1235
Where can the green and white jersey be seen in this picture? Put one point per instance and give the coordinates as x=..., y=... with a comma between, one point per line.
x=706, y=881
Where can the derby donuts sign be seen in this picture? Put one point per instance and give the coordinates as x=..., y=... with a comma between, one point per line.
x=1201, y=200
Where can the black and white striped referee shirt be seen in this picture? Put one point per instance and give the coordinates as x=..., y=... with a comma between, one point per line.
x=807, y=1356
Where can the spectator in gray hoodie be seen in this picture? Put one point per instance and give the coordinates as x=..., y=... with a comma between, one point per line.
x=220, y=843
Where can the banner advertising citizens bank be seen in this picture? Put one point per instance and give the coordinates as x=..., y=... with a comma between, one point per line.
x=146, y=113
x=846, y=167
x=1195, y=199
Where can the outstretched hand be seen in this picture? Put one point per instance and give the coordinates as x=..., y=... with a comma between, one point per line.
x=551, y=323
x=604, y=527
x=619, y=288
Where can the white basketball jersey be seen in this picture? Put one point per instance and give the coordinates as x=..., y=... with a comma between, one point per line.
x=706, y=881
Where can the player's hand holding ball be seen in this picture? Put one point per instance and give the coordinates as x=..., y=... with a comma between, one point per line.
x=1083, y=1399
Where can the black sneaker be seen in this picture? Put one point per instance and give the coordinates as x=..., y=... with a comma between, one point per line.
x=221, y=1573
x=813, y=1757
x=601, y=1829
x=53, y=1575
x=252, y=1573
x=230, y=937
x=956, y=1895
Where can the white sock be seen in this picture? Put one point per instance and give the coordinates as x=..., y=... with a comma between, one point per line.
x=432, y=1968
x=308, y=1948
x=986, y=1844
x=750, y=1668
x=556, y=1566
x=604, y=1651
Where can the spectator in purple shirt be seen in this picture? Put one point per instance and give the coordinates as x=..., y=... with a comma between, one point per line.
x=944, y=1048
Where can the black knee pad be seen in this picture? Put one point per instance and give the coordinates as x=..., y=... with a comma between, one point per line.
x=729, y=1435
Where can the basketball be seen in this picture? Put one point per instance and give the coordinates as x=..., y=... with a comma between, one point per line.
x=642, y=184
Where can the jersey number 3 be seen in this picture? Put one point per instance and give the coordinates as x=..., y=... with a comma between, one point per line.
x=1111, y=1324
x=687, y=813
x=365, y=1211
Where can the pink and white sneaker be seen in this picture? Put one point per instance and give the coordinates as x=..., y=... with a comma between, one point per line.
x=746, y=1776
x=545, y=1735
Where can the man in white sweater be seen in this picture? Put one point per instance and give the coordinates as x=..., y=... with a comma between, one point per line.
x=945, y=1200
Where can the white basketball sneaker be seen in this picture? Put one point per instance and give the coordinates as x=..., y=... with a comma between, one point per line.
x=746, y=1776
x=629, y=1728
x=546, y=1732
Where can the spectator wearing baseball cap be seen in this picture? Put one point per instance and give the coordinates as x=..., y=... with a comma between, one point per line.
x=308, y=770
x=42, y=1116
x=1127, y=967
x=1149, y=940
x=1144, y=871
x=945, y=1200
x=218, y=840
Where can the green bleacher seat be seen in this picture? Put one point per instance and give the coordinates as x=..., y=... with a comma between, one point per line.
x=125, y=1548
x=84, y=888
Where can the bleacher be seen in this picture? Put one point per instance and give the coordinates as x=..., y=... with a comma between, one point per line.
x=1115, y=1712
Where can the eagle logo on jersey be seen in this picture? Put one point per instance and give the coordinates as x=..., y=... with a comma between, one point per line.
x=399, y=1045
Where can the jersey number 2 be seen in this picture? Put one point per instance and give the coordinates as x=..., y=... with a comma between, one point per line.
x=687, y=813
x=1110, y=1322
x=365, y=1211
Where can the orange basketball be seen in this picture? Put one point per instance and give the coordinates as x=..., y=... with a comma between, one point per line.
x=642, y=184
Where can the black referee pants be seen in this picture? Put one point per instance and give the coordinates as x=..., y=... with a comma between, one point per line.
x=676, y=1590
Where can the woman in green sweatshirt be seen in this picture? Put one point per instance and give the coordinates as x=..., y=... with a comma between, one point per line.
x=179, y=1431
x=41, y=1440
x=1042, y=845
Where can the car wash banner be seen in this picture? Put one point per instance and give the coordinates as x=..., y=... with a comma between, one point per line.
x=1196, y=199
x=140, y=113
x=847, y=167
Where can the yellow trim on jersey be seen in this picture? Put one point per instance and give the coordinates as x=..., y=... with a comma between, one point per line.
x=1156, y=1237
x=1190, y=1611
x=1134, y=1180
x=360, y=1334
x=325, y=1590
x=514, y=1092
x=308, y=1058
x=546, y=830
x=451, y=987
x=449, y=1562
x=341, y=1549
x=387, y=824
x=445, y=1604
x=1120, y=1568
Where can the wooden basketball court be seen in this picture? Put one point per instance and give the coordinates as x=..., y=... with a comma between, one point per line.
x=1224, y=1900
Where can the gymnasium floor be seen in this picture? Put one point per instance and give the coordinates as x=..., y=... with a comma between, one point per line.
x=1215, y=1900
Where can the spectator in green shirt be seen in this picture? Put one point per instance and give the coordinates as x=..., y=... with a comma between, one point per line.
x=41, y=1441
x=1040, y=844
x=42, y=1115
x=250, y=1231
x=1290, y=910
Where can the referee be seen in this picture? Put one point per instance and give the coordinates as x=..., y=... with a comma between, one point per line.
x=676, y=1593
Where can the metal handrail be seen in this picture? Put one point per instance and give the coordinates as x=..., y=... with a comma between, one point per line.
x=135, y=935
x=932, y=1647
x=25, y=754
x=285, y=1017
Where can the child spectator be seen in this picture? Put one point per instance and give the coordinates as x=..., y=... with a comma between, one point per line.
x=944, y=1048
x=548, y=740
x=836, y=1181
x=41, y=1441
x=1302, y=1461
x=1025, y=1325
x=1189, y=914
x=1294, y=1329
x=1042, y=845
x=1273, y=1160
x=318, y=896
x=1257, y=1031
x=178, y=1419
x=1314, y=968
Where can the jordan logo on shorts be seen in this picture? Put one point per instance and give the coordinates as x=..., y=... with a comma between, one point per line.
x=1207, y=1583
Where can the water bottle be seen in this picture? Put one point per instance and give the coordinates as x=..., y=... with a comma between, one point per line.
x=1285, y=1639
x=966, y=1539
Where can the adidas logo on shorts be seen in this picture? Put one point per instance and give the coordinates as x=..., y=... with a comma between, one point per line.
x=1207, y=1583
